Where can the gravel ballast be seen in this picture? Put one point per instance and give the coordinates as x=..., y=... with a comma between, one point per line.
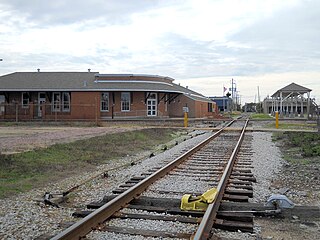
x=24, y=217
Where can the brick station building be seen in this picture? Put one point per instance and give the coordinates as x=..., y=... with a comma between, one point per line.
x=95, y=96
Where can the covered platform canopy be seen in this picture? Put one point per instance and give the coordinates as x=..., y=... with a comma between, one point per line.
x=290, y=100
x=292, y=89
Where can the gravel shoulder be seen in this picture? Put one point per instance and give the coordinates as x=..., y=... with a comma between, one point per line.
x=300, y=183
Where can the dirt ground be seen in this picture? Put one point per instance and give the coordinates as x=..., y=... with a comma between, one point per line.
x=293, y=229
x=16, y=139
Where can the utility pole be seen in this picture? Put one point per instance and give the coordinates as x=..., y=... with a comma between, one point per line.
x=259, y=105
x=233, y=91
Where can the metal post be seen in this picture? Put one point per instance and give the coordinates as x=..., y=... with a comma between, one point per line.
x=185, y=119
x=277, y=119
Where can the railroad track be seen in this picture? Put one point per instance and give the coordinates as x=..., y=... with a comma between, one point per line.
x=152, y=199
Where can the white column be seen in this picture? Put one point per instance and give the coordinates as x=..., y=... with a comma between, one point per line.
x=296, y=112
x=308, y=105
x=272, y=106
x=301, y=112
x=291, y=109
x=281, y=107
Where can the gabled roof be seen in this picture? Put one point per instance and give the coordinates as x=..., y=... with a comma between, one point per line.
x=91, y=81
x=292, y=88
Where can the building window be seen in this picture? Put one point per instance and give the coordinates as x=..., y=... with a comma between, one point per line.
x=2, y=101
x=56, y=102
x=25, y=100
x=104, y=106
x=210, y=108
x=125, y=101
x=66, y=102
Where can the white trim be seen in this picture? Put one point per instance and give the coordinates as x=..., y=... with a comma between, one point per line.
x=28, y=100
x=153, y=100
x=132, y=75
x=203, y=99
x=40, y=103
x=89, y=90
x=121, y=102
x=62, y=102
x=2, y=102
x=108, y=100
x=131, y=81
x=58, y=104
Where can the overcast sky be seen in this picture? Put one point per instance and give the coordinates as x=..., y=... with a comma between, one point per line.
x=202, y=44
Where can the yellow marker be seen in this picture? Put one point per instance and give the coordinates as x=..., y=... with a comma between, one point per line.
x=277, y=119
x=198, y=203
x=185, y=119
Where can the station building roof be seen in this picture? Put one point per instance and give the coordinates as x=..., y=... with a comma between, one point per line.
x=93, y=81
x=292, y=88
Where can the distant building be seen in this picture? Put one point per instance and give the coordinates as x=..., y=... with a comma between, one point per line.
x=95, y=96
x=290, y=101
x=250, y=107
x=224, y=104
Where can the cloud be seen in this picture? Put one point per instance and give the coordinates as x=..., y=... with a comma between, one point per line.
x=287, y=41
x=59, y=12
x=204, y=42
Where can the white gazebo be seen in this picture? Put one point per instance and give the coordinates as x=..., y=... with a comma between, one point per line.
x=289, y=101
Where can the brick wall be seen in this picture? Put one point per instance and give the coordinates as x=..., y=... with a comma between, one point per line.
x=86, y=106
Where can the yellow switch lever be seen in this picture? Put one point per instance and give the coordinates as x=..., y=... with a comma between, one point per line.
x=198, y=203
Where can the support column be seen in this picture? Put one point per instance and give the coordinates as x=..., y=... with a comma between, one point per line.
x=281, y=107
x=308, y=105
x=291, y=109
x=296, y=112
x=272, y=107
x=301, y=112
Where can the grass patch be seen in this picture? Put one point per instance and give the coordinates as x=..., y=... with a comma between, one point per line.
x=298, y=126
x=233, y=114
x=24, y=171
x=260, y=116
x=299, y=147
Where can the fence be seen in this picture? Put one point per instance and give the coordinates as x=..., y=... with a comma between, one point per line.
x=136, y=114
x=73, y=112
x=48, y=112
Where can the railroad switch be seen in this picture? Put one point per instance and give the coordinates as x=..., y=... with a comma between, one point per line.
x=47, y=199
x=279, y=201
x=198, y=203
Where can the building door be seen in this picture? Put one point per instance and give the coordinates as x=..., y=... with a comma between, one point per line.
x=41, y=102
x=152, y=105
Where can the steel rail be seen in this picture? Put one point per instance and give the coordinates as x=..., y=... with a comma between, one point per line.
x=84, y=226
x=203, y=231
